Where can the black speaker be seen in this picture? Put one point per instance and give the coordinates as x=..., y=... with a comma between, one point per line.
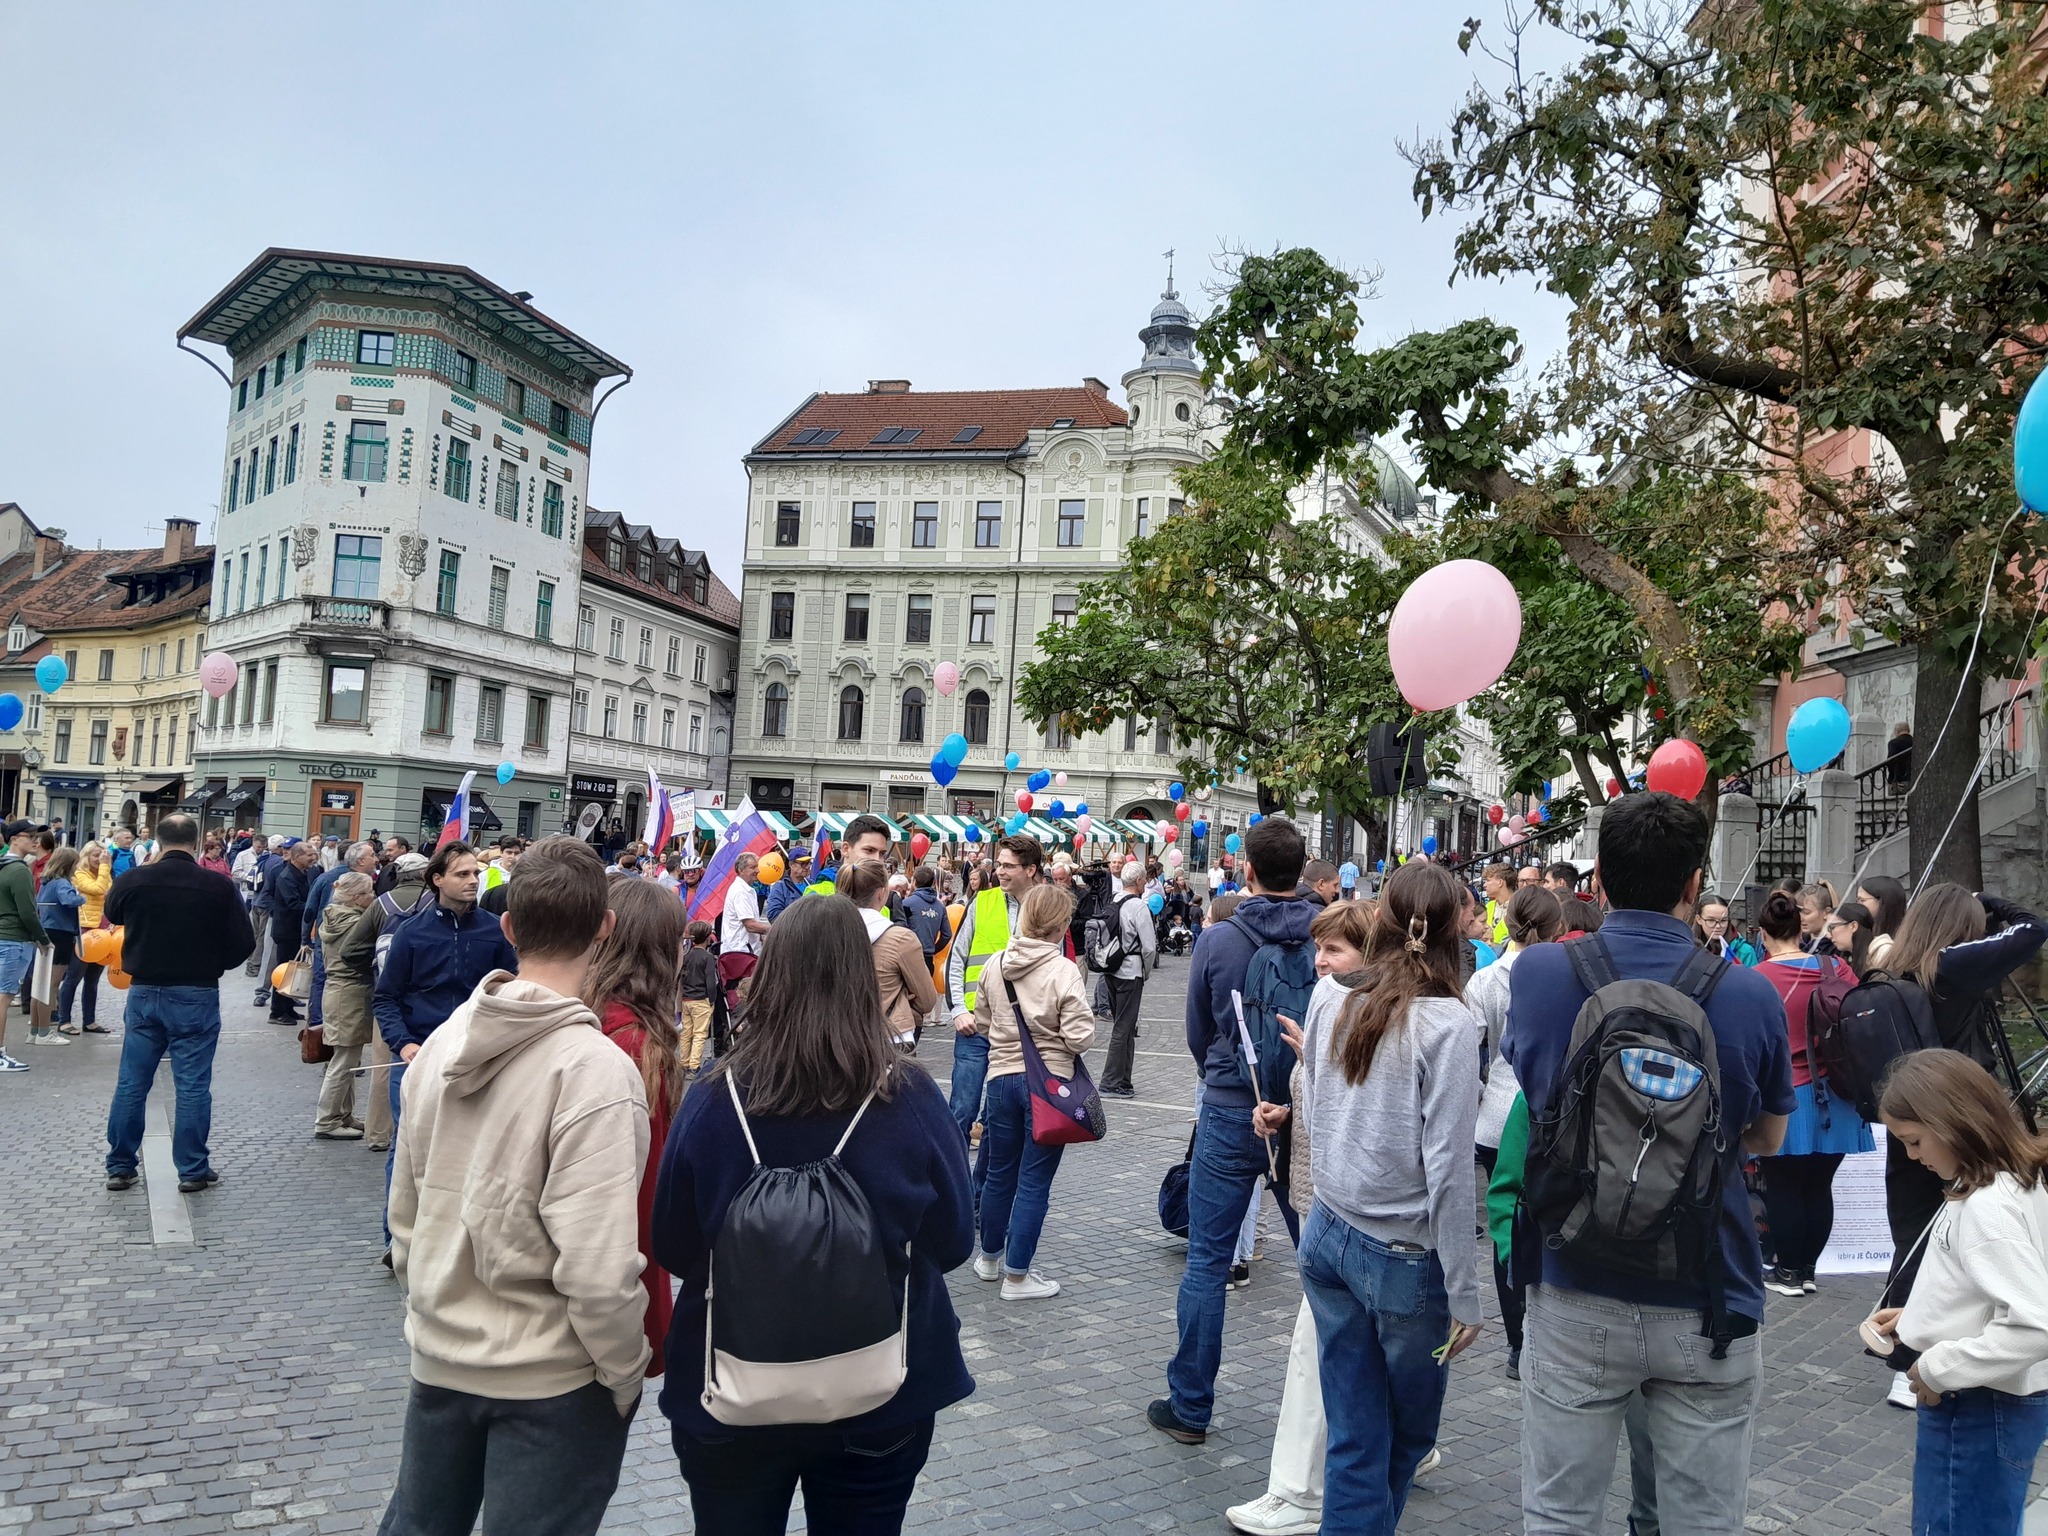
x=1394, y=759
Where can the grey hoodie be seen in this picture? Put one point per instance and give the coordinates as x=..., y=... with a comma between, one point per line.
x=514, y=1200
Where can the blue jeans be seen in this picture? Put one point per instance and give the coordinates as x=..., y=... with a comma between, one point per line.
x=970, y=1071
x=1381, y=1313
x=1971, y=1463
x=395, y=1076
x=183, y=1022
x=1020, y=1174
x=1228, y=1162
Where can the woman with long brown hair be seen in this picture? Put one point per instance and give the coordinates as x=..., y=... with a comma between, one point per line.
x=634, y=986
x=908, y=996
x=1978, y=1314
x=1390, y=1079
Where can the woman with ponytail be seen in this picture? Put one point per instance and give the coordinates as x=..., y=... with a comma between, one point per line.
x=1390, y=1090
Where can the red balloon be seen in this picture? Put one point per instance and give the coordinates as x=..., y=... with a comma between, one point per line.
x=1183, y=811
x=1024, y=801
x=1172, y=834
x=1613, y=788
x=1539, y=816
x=1496, y=814
x=920, y=845
x=1678, y=768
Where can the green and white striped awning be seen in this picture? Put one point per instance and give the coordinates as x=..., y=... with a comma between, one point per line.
x=715, y=821
x=834, y=823
x=1100, y=830
x=1144, y=831
x=947, y=829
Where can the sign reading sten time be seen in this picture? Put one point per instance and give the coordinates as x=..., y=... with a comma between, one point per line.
x=338, y=770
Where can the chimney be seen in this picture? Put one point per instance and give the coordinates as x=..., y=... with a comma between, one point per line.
x=49, y=550
x=888, y=386
x=180, y=534
x=1095, y=386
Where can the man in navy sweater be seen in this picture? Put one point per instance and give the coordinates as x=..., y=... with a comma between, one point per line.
x=436, y=957
x=1229, y=1158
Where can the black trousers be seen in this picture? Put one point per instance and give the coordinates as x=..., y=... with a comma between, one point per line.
x=1799, y=1199
x=545, y=1467
x=284, y=946
x=856, y=1483
x=1912, y=1198
x=1505, y=1291
x=1124, y=998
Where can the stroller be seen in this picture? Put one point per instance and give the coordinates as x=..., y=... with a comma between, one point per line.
x=1178, y=938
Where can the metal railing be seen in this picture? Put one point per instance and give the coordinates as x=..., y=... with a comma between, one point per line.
x=1540, y=841
x=2005, y=735
x=1781, y=819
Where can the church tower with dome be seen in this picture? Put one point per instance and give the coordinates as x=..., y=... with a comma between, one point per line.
x=1164, y=392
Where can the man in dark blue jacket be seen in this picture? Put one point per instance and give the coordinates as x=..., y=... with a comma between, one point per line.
x=796, y=874
x=1229, y=1159
x=289, y=884
x=436, y=957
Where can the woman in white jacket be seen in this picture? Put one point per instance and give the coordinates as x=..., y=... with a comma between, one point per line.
x=1978, y=1313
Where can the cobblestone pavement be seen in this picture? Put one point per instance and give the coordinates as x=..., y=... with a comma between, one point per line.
x=254, y=1379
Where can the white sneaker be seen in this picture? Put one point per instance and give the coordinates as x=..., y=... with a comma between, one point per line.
x=1901, y=1394
x=988, y=1266
x=46, y=1037
x=1430, y=1463
x=1031, y=1287
x=9, y=1064
x=1271, y=1515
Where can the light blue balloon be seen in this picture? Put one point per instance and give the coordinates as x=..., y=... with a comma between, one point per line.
x=506, y=771
x=1429, y=844
x=1817, y=733
x=1233, y=844
x=1176, y=790
x=51, y=673
x=1015, y=824
x=1011, y=761
x=954, y=749
x=2030, y=448
x=1156, y=902
x=973, y=833
x=10, y=711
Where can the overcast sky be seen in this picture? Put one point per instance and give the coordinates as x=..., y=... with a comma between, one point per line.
x=745, y=202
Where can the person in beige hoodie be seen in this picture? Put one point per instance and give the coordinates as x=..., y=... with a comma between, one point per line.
x=1055, y=1003
x=515, y=1233
x=345, y=1021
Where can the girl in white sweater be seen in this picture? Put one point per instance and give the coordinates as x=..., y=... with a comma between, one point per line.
x=1978, y=1313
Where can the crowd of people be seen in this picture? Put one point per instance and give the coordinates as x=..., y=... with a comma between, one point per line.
x=620, y=1144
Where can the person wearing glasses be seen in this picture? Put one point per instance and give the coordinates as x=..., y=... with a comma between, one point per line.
x=1716, y=932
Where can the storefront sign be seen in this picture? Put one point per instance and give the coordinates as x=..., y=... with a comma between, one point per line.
x=585, y=787
x=58, y=784
x=337, y=770
x=904, y=776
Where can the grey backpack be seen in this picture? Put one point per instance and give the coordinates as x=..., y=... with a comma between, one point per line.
x=1626, y=1163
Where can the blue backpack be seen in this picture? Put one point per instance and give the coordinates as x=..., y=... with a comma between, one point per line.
x=1280, y=979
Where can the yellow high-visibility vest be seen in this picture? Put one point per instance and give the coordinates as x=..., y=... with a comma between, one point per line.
x=991, y=933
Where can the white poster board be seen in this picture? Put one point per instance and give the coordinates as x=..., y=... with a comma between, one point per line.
x=1861, y=1242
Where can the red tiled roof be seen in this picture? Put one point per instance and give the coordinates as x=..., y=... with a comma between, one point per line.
x=75, y=593
x=1006, y=418
x=722, y=607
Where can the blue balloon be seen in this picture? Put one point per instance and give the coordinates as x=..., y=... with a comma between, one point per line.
x=1015, y=824
x=1038, y=781
x=1059, y=808
x=2030, y=448
x=1818, y=732
x=1381, y=866
x=1081, y=809
x=1546, y=789
x=954, y=749
x=506, y=772
x=943, y=772
x=1156, y=902
x=51, y=673
x=10, y=711
x=973, y=833
x=1254, y=819
x=1176, y=790
x=1199, y=829
x=1233, y=844
x=1011, y=761
x=1429, y=844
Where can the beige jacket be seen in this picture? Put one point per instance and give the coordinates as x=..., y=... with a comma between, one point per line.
x=1055, y=1000
x=903, y=972
x=514, y=1200
x=345, y=1017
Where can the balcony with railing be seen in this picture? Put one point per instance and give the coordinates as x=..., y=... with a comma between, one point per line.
x=347, y=614
x=2007, y=743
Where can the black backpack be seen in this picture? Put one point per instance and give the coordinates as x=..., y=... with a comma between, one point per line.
x=1105, y=936
x=1874, y=1025
x=1625, y=1165
x=801, y=1323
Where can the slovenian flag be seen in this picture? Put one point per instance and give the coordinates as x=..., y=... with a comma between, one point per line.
x=746, y=833
x=456, y=828
x=661, y=816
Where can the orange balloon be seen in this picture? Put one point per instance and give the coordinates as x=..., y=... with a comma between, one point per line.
x=115, y=934
x=118, y=978
x=96, y=946
x=281, y=977
x=771, y=868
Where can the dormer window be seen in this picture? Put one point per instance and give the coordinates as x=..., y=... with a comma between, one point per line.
x=643, y=565
x=615, y=554
x=17, y=637
x=672, y=578
x=700, y=586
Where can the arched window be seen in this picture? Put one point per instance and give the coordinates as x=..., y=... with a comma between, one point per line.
x=976, y=728
x=913, y=714
x=852, y=704
x=775, y=711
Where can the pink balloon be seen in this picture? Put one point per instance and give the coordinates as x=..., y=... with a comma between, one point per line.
x=1060, y=779
x=1453, y=633
x=1084, y=821
x=1678, y=768
x=946, y=676
x=218, y=672
x=1518, y=823
x=1173, y=856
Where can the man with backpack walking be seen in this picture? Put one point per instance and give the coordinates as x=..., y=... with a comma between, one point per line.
x=1639, y=1051
x=1123, y=945
x=1260, y=961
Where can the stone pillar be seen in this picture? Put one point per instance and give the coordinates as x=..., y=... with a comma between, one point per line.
x=1868, y=734
x=1587, y=845
x=1734, y=846
x=1831, y=833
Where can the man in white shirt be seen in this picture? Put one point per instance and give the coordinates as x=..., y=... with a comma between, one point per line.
x=740, y=932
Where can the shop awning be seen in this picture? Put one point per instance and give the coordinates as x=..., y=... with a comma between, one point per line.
x=1045, y=831
x=1099, y=830
x=1144, y=831
x=247, y=792
x=434, y=807
x=715, y=821
x=947, y=829
x=201, y=797
x=154, y=788
x=834, y=823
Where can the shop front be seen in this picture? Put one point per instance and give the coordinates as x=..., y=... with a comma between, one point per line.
x=72, y=802
x=150, y=799
x=593, y=802
x=484, y=821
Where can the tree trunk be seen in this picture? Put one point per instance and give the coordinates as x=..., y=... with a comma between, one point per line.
x=1944, y=775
